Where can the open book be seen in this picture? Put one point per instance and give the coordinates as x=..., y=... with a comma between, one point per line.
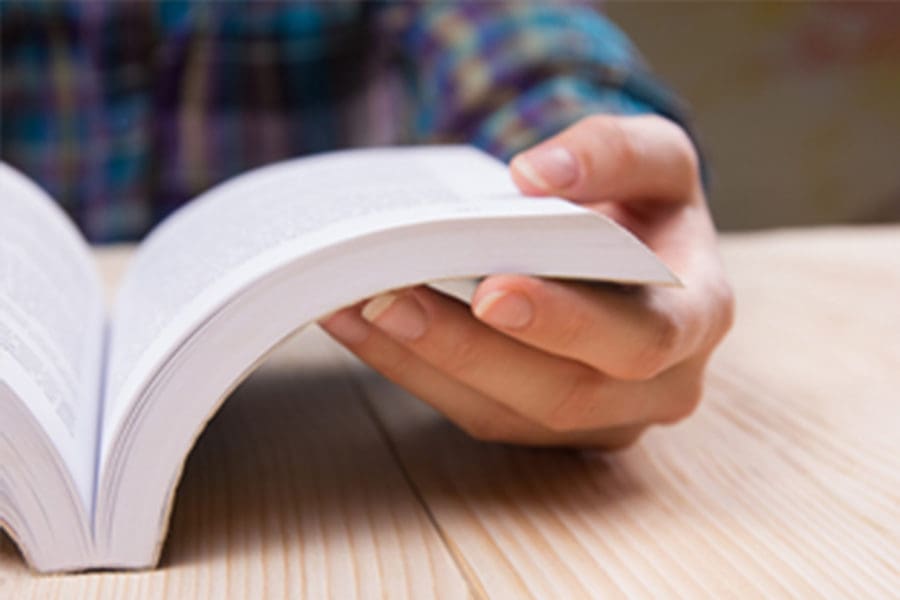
x=99, y=409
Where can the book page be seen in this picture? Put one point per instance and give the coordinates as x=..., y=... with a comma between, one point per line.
x=254, y=213
x=218, y=285
x=51, y=321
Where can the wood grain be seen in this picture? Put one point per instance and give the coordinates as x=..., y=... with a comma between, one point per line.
x=319, y=479
x=291, y=492
x=786, y=482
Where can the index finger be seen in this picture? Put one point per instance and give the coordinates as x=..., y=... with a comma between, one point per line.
x=629, y=335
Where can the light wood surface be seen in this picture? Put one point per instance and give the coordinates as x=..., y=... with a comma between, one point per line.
x=319, y=479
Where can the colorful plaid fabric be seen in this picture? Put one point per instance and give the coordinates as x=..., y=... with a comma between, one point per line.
x=125, y=110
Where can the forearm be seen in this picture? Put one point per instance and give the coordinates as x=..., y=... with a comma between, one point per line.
x=505, y=76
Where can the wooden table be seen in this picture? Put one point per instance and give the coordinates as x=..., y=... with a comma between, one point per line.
x=319, y=479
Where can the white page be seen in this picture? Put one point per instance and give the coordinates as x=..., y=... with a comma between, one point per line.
x=223, y=280
x=51, y=321
x=242, y=219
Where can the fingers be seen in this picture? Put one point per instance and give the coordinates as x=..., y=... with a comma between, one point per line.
x=606, y=158
x=478, y=415
x=556, y=393
x=547, y=362
x=632, y=334
x=642, y=171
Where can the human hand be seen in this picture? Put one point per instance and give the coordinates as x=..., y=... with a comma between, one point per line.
x=545, y=362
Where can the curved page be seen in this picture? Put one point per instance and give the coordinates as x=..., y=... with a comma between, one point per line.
x=51, y=323
x=224, y=280
x=39, y=503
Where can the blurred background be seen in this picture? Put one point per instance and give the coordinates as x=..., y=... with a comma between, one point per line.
x=797, y=104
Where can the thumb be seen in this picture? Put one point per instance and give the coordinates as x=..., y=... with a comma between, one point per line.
x=606, y=158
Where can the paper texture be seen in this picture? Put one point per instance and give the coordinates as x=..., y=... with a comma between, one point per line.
x=255, y=213
x=51, y=320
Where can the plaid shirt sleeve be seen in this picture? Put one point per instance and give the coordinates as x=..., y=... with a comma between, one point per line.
x=504, y=76
x=124, y=111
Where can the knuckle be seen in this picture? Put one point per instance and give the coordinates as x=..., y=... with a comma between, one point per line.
x=685, y=403
x=574, y=409
x=726, y=301
x=393, y=365
x=623, y=153
x=655, y=351
x=462, y=352
x=618, y=153
x=683, y=146
x=623, y=150
x=684, y=149
x=722, y=313
x=568, y=329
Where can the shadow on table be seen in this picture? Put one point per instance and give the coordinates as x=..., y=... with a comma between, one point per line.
x=9, y=552
x=308, y=463
x=300, y=462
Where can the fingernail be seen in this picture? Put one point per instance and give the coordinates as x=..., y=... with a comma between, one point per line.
x=506, y=310
x=346, y=326
x=550, y=167
x=399, y=316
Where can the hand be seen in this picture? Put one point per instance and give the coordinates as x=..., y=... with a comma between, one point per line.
x=546, y=362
